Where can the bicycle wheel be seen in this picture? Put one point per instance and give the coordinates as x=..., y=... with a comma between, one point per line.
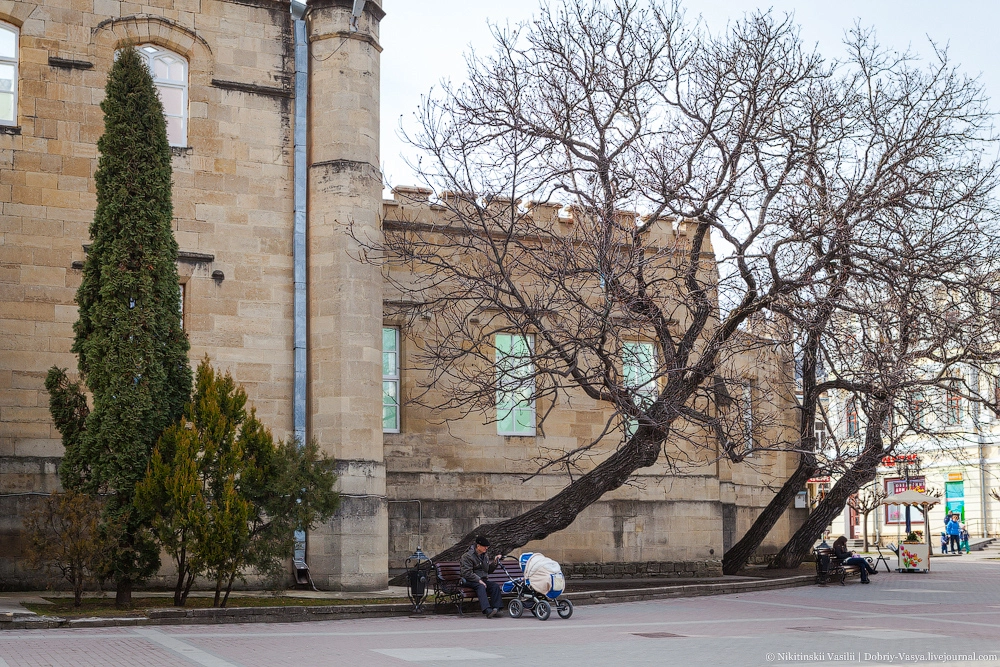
x=515, y=608
x=542, y=610
x=564, y=608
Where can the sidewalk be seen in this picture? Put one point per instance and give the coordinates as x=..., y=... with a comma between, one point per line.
x=15, y=617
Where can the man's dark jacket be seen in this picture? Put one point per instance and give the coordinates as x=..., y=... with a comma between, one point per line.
x=475, y=567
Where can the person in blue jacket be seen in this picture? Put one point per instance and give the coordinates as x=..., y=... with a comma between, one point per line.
x=954, y=530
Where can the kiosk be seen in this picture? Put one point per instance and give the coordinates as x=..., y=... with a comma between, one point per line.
x=911, y=556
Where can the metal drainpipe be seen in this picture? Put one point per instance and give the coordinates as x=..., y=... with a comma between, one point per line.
x=977, y=424
x=299, y=238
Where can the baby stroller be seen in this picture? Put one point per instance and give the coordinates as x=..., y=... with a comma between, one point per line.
x=538, y=589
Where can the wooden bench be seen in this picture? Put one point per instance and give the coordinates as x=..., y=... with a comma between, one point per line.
x=835, y=567
x=448, y=588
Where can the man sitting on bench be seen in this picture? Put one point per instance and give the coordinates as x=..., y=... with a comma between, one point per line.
x=847, y=557
x=475, y=570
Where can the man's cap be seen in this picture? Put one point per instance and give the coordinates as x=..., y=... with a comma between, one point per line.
x=483, y=541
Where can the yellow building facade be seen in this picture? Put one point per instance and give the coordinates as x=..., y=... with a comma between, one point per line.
x=288, y=310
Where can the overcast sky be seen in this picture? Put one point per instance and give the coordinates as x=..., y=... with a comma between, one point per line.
x=425, y=41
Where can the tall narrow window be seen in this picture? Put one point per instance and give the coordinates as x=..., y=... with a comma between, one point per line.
x=953, y=408
x=918, y=409
x=639, y=375
x=515, y=385
x=390, y=380
x=996, y=399
x=170, y=76
x=8, y=74
x=747, y=417
x=183, y=288
x=853, y=421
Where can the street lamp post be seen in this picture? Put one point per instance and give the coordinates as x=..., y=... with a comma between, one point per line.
x=906, y=465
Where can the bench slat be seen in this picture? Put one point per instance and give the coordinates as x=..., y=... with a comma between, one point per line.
x=449, y=573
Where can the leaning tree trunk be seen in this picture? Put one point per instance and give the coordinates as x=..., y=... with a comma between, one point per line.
x=559, y=511
x=739, y=554
x=860, y=473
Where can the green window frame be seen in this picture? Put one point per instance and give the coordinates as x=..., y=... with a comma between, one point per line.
x=639, y=375
x=390, y=380
x=515, y=397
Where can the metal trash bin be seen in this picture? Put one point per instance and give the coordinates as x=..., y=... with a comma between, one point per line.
x=418, y=567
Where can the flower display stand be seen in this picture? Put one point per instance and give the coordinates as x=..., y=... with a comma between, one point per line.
x=913, y=557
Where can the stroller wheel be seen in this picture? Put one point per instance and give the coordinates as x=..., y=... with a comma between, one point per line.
x=564, y=608
x=543, y=610
x=515, y=608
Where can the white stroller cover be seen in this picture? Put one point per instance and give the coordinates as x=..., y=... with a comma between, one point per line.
x=543, y=574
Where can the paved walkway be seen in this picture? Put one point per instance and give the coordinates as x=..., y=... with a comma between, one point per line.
x=941, y=618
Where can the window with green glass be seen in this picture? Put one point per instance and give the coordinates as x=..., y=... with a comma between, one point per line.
x=390, y=380
x=639, y=375
x=515, y=385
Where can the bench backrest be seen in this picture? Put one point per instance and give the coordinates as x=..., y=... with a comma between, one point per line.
x=450, y=571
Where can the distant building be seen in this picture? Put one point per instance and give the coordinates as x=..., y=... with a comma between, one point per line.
x=956, y=457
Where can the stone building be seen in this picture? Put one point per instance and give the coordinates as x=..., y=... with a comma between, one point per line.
x=262, y=186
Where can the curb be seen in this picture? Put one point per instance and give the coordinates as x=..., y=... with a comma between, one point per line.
x=210, y=616
x=689, y=591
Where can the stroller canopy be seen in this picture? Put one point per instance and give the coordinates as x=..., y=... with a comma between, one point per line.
x=544, y=575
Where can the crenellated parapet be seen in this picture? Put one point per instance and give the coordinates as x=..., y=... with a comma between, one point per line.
x=419, y=207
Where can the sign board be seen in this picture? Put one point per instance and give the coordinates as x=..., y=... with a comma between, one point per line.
x=819, y=480
x=954, y=477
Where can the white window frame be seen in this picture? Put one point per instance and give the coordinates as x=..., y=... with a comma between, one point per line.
x=639, y=378
x=152, y=52
x=391, y=378
x=515, y=396
x=14, y=62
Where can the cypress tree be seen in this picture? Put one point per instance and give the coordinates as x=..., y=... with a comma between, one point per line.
x=131, y=347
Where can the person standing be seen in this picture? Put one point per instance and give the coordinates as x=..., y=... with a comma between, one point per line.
x=963, y=536
x=953, y=528
x=475, y=568
x=944, y=542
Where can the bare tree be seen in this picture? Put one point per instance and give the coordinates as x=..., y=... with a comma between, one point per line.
x=616, y=111
x=864, y=502
x=64, y=534
x=911, y=187
x=896, y=338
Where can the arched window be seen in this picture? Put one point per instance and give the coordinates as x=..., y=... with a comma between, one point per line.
x=170, y=76
x=8, y=74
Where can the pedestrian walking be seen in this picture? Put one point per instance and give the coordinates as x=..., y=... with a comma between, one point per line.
x=953, y=528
